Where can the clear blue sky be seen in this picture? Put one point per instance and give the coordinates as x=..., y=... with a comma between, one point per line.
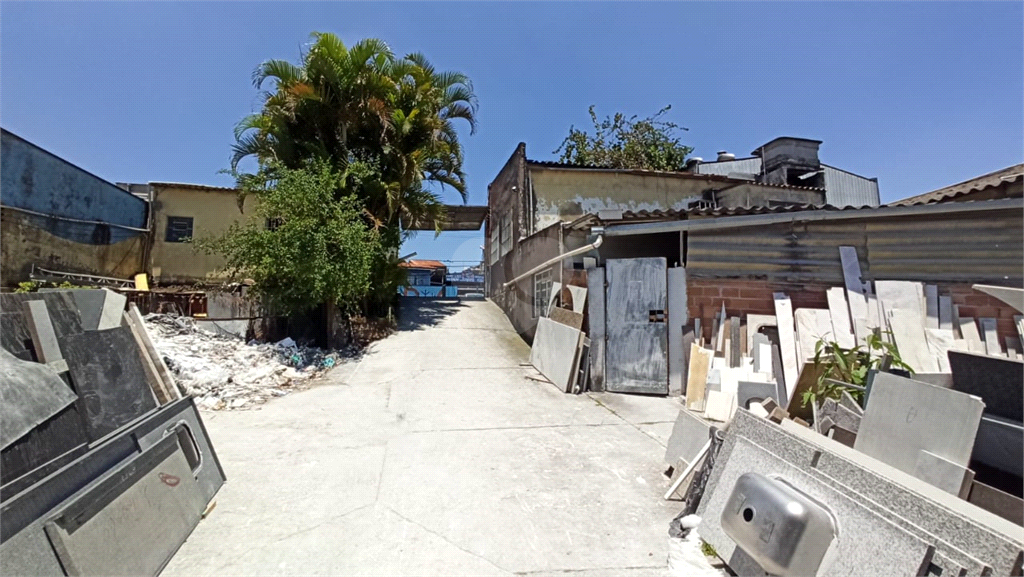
x=918, y=94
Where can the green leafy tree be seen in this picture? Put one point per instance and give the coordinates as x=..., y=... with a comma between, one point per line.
x=317, y=248
x=385, y=124
x=626, y=143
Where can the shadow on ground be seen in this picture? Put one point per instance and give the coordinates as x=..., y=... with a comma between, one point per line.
x=418, y=313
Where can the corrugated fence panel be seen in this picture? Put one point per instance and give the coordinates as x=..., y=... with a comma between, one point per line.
x=792, y=252
x=845, y=189
x=980, y=247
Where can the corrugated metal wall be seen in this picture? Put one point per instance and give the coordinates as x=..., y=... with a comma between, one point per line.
x=741, y=165
x=845, y=189
x=986, y=247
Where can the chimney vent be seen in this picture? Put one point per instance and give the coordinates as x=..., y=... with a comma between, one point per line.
x=723, y=155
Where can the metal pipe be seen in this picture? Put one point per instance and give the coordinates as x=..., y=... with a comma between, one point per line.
x=559, y=258
x=726, y=222
x=78, y=220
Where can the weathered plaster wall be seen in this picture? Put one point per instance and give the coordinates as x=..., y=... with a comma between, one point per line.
x=567, y=194
x=213, y=211
x=26, y=240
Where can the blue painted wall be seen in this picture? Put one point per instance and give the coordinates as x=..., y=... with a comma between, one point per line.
x=34, y=179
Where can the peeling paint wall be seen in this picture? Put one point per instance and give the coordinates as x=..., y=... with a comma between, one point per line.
x=566, y=194
x=26, y=240
x=213, y=212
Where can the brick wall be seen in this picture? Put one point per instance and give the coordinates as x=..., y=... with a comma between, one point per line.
x=742, y=297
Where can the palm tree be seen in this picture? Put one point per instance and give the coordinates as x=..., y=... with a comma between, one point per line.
x=363, y=107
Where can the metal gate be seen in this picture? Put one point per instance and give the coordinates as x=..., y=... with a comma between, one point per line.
x=636, y=350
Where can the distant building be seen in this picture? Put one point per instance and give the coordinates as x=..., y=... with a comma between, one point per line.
x=540, y=209
x=794, y=161
x=425, y=278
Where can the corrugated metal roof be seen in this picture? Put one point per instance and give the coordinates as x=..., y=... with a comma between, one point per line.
x=998, y=178
x=188, y=186
x=750, y=165
x=843, y=188
x=641, y=172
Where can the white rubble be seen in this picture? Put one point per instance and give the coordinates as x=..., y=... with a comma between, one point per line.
x=225, y=373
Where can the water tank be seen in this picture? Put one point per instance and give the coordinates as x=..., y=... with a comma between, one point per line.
x=723, y=155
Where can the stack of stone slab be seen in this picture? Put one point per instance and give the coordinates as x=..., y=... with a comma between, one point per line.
x=104, y=468
x=889, y=522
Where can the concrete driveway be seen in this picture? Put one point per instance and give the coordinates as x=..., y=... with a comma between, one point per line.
x=435, y=455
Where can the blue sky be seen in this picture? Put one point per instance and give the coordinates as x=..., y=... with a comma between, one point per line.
x=918, y=94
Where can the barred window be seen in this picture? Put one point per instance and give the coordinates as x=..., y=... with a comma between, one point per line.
x=179, y=228
x=541, y=293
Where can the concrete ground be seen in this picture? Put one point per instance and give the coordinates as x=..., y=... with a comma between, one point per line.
x=435, y=455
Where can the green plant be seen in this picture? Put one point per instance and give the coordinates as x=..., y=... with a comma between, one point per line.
x=321, y=251
x=850, y=365
x=626, y=143
x=707, y=549
x=28, y=286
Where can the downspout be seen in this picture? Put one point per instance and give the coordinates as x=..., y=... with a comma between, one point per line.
x=559, y=258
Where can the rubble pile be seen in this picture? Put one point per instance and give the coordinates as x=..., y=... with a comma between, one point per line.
x=228, y=373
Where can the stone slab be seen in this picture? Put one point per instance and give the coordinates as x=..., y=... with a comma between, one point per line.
x=748, y=392
x=554, y=351
x=910, y=338
x=944, y=474
x=596, y=314
x=31, y=394
x=782, y=398
x=787, y=341
x=689, y=434
x=1011, y=296
x=90, y=306
x=879, y=549
x=902, y=295
x=808, y=380
x=969, y=332
x=761, y=350
x=60, y=304
x=999, y=502
x=754, y=324
x=720, y=406
x=812, y=325
x=998, y=381
x=677, y=318
x=1000, y=444
x=904, y=417
x=579, y=298
x=945, y=312
x=931, y=297
x=856, y=293
x=839, y=312
x=962, y=532
x=847, y=400
x=841, y=435
x=840, y=415
x=735, y=345
x=44, y=339
x=567, y=317
x=940, y=342
x=991, y=337
x=111, y=382
x=110, y=315
x=696, y=384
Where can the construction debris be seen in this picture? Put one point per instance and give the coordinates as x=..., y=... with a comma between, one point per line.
x=226, y=373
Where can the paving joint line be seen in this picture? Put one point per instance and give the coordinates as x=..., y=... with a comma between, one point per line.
x=449, y=541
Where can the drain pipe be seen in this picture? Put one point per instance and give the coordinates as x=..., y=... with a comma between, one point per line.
x=561, y=257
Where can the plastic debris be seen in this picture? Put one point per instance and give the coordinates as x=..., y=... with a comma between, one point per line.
x=227, y=373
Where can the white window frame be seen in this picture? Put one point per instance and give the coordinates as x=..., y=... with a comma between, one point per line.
x=494, y=243
x=506, y=235
x=541, y=293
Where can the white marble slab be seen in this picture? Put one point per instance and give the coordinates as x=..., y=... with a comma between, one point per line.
x=898, y=294
x=787, y=341
x=838, y=309
x=931, y=297
x=910, y=339
x=812, y=325
x=988, y=330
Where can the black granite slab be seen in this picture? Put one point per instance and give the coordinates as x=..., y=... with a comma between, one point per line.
x=998, y=381
x=106, y=371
